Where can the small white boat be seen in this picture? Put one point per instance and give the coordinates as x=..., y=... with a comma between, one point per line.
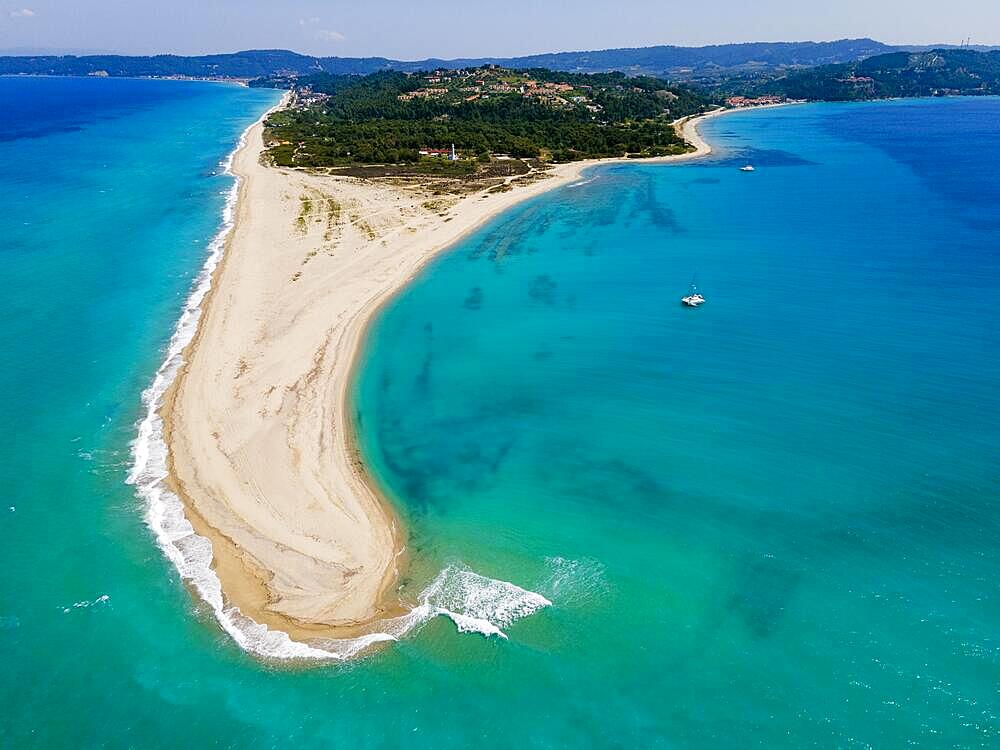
x=694, y=298
x=747, y=168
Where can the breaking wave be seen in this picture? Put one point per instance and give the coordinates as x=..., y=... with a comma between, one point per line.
x=477, y=604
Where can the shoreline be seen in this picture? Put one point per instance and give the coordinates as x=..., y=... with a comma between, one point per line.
x=241, y=82
x=270, y=609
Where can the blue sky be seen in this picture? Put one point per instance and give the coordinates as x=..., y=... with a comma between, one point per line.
x=448, y=28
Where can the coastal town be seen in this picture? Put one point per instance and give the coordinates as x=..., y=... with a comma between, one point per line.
x=743, y=102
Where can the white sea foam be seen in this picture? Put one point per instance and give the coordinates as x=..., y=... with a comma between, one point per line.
x=473, y=602
x=85, y=604
x=477, y=604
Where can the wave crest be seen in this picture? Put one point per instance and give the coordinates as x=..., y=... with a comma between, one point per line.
x=477, y=604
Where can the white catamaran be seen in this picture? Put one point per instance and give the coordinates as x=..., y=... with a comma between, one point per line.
x=694, y=297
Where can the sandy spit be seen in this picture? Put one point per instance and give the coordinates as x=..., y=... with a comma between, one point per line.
x=257, y=424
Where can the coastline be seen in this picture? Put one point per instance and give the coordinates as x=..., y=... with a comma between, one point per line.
x=296, y=549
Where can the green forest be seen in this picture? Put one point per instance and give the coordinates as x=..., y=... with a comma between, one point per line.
x=389, y=117
x=939, y=72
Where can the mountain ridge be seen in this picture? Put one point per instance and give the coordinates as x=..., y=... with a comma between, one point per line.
x=677, y=61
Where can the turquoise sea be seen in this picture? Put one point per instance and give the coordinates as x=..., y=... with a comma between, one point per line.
x=768, y=522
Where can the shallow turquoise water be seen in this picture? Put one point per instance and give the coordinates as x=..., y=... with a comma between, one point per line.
x=767, y=522
x=771, y=520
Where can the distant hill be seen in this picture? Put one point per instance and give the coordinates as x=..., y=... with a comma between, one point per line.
x=932, y=47
x=682, y=62
x=939, y=72
x=49, y=51
x=250, y=64
x=670, y=61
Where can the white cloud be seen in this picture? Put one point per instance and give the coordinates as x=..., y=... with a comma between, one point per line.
x=325, y=35
x=22, y=13
x=329, y=35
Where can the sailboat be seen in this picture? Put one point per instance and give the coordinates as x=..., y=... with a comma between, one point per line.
x=693, y=298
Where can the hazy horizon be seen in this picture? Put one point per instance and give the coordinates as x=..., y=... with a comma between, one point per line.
x=61, y=51
x=448, y=29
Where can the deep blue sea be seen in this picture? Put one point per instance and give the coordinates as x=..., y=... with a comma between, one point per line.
x=768, y=522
